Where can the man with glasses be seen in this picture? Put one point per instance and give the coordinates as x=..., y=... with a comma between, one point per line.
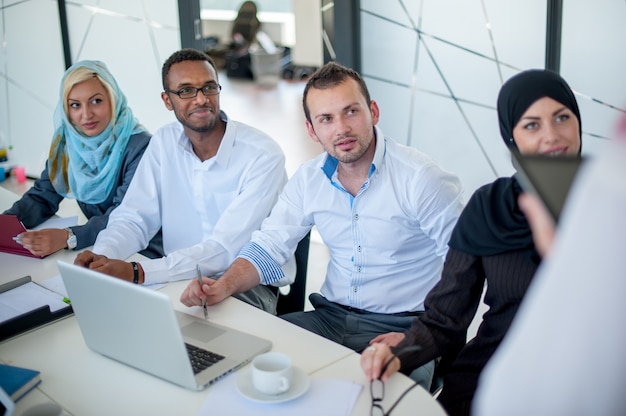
x=384, y=210
x=207, y=181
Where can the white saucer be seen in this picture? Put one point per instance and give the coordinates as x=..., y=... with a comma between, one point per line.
x=299, y=385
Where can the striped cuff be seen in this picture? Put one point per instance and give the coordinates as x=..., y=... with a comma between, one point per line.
x=267, y=267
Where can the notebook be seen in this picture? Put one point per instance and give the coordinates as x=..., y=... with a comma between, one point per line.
x=549, y=177
x=10, y=227
x=17, y=381
x=149, y=335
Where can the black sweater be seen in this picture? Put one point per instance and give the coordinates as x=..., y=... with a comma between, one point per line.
x=450, y=308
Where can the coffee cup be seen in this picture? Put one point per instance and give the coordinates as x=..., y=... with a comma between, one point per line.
x=271, y=373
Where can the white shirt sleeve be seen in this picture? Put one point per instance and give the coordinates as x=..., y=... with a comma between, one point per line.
x=207, y=209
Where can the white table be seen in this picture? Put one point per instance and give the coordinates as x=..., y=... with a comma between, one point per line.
x=85, y=383
x=13, y=267
x=417, y=402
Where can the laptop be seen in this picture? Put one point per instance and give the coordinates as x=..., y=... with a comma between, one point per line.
x=549, y=177
x=149, y=335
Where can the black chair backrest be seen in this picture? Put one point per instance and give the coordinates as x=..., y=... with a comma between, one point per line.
x=294, y=300
x=246, y=23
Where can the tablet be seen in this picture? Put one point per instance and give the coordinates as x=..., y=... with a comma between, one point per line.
x=549, y=177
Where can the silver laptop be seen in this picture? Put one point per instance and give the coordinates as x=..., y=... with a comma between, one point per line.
x=138, y=327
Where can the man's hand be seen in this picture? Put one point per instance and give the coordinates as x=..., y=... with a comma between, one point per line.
x=240, y=277
x=87, y=257
x=44, y=242
x=212, y=292
x=116, y=268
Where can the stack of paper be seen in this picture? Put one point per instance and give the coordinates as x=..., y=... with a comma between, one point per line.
x=328, y=397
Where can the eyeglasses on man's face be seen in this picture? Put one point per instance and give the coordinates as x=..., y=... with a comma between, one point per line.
x=192, y=92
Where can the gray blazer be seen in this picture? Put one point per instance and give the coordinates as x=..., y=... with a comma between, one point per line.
x=42, y=201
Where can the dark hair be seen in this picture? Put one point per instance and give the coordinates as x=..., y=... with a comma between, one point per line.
x=187, y=54
x=331, y=75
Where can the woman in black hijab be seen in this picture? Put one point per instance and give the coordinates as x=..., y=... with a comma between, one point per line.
x=491, y=243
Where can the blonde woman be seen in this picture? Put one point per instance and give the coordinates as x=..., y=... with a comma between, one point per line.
x=96, y=147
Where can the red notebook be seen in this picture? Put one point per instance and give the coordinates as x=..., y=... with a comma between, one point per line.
x=10, y=226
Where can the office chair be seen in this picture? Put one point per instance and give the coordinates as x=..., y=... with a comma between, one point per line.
x=442, y=365
x=437, y=383
x=245, y=27
x=294, y=300
x=246, y=24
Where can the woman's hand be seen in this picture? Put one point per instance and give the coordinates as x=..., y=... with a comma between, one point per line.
x=374, y=358
x=44, y=242
x=541, y=224
x=391, y=338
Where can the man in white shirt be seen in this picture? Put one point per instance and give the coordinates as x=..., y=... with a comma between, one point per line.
x=206, y=181
x=384, y=210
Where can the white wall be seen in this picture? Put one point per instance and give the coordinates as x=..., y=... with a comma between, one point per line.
x=438, y=92
x=308, y=49
x=133, y=37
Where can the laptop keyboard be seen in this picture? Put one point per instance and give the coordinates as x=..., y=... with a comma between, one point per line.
x=201, y=359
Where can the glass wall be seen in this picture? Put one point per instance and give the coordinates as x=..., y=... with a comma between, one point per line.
x=435, y=68
x=276, y=17
x=31, y=65
x=281, y=6
x=133, y=37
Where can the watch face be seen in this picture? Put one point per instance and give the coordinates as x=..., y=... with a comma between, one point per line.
x=71, y=241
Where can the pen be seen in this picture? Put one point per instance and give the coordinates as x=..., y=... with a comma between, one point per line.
x=200, y=282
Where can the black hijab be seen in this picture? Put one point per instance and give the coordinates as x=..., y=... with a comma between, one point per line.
x=522, y=90
x=492, y=222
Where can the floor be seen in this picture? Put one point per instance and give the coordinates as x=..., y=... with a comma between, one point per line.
x=277, y=111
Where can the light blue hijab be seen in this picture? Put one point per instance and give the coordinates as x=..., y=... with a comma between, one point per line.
x=82, y=167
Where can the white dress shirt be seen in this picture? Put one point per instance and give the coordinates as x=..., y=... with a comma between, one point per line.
x=387, y=244
x=564, y=353
x=207, y=210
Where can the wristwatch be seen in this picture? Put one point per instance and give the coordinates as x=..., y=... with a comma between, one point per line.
x=71, y=239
